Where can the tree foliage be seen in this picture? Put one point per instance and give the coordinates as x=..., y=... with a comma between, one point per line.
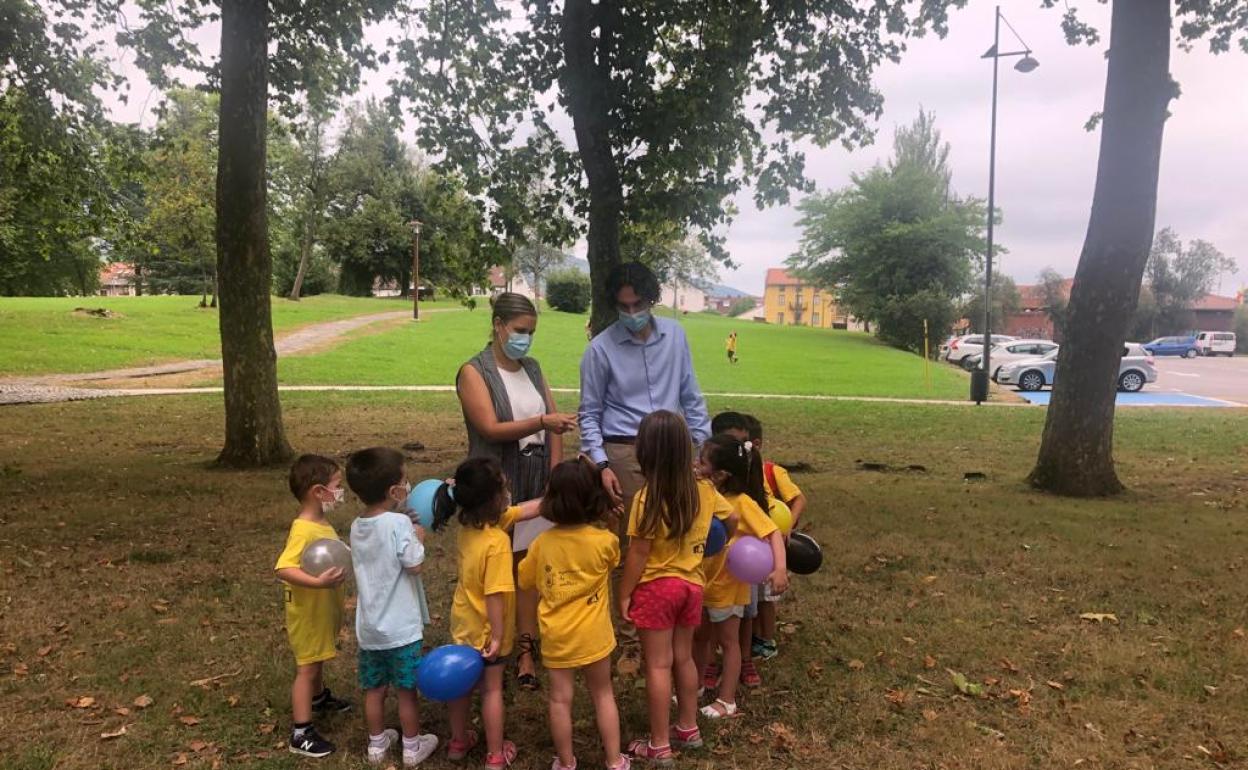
x=1005, y=302
x=658, y=94
x=896, y=245
x=568, y=290
x=1177, y=276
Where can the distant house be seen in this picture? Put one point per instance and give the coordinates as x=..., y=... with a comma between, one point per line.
x=501, y=280
x=683, y=297
x=789, y=302
x=1212, y=313
x=117, y=280
x=1033, y=321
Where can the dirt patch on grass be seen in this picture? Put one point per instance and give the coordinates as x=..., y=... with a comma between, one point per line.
x=946, y=629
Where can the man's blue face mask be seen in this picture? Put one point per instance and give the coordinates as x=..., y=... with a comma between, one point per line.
x=635, y=322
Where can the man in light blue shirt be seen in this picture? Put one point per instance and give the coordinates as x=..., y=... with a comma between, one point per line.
x=636, y=366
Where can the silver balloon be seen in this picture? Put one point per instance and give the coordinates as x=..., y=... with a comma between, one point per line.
x=323, y=554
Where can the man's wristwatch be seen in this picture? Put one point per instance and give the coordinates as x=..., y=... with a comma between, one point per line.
x=602, y=466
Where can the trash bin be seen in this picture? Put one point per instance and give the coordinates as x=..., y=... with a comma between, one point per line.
x=979, y=385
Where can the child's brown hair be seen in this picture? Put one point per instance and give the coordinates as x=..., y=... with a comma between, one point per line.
x=372, y=472
x=308, y=471
x=665, y=454
x=478, y=488
x=574, y=494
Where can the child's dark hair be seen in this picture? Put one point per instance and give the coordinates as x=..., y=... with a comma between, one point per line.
x=574, y=494
x=665, y=454
x=742, y=463
x=753, y=427
x=726, y=421
x=371, y=472
x=479, y=484
x=308, y=471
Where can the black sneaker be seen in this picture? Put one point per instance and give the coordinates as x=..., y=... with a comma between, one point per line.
x=326, y=703
x=310, y=744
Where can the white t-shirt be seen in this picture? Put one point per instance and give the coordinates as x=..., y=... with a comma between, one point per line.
x=526, y=402
x=391, y=608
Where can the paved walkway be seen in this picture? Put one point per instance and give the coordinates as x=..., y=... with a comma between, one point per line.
x=294, y=343
x=38, y=394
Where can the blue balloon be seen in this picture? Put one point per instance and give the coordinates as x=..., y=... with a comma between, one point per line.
x=420, y=501
x=449, y=672
x=716, y=539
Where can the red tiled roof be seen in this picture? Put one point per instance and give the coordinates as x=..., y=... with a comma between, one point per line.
x=1215, y=302
x=1032, y=295
x=778, y=276
x=117, y=273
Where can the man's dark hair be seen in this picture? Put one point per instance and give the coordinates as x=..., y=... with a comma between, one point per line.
x=634, y=274
x=726, y=421
x=371, y=473
x=308, y=471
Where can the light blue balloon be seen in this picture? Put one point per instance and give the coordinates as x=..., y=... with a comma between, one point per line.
x=420, y=501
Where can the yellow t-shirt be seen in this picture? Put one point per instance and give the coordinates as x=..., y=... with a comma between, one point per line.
x=570, y=567
x=313, y=615
x=788, y=491
x=679, y=558
x=722, y=589
x=732, y=343
x=484, y=569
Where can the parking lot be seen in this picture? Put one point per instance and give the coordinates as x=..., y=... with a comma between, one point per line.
x=1185, y=382
x=1219, y=378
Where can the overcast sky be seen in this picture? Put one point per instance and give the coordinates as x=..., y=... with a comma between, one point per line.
x=1046, y=162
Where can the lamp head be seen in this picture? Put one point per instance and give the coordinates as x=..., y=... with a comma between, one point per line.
x=1026, y=64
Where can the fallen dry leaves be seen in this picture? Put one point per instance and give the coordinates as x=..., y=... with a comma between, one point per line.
x=81, y=702
x=143, y=701
x=109, y=735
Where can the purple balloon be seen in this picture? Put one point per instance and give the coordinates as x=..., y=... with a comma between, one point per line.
x=750, y=560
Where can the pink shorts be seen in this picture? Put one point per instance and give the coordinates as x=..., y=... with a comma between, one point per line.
x=666, y=603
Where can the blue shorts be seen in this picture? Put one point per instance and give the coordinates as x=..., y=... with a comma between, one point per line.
x=396, y=667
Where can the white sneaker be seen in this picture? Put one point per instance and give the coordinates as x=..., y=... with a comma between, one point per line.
x=377, y=754
x=425, y=746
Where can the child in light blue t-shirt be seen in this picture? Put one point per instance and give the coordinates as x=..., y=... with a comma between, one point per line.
x=387, y=554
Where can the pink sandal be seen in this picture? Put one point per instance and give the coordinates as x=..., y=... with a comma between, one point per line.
x=503, y=759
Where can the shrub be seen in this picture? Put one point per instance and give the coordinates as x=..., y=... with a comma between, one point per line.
x=568, y=290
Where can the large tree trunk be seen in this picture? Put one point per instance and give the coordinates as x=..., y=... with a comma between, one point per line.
x=586, y=83
x=1076, y=453
x=253, y=413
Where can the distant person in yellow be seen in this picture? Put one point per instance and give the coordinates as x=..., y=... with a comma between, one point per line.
x=570, y=566
x=483, y=612
x=313, y=604
x=731, y=344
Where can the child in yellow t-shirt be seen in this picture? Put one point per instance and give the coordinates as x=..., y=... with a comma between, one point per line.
x=570, y=567
x=780, y=488
x=736, y=471
x=661, y=583
x=483, y=612
x=313, y=604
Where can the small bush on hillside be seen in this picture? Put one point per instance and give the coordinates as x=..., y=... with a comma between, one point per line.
x=568, y=290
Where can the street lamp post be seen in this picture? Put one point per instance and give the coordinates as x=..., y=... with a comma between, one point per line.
x=415, y=224
x=979, y=376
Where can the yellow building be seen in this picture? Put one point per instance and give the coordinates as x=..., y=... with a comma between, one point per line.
x=789, y=302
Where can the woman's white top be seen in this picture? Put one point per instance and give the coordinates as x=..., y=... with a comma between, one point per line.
x=526, y=402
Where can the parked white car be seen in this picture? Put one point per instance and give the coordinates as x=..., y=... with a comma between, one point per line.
x=1216, y=343
x=969, y=345
x=1010, y=352
x=1135, y=370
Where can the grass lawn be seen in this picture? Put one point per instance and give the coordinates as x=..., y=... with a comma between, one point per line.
x=42, y=335
x=774, y=359
x=130, y=569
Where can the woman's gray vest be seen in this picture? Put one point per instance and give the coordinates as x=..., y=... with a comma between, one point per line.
x=527, y=471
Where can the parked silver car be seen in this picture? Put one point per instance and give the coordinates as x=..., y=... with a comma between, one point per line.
x=971, y=344
x=1135, y=370
x=1010, y=352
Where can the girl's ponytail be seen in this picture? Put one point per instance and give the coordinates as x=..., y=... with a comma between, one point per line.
x=754, y=478
x=444, y=506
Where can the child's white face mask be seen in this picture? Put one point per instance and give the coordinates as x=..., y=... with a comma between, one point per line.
x=338, y=495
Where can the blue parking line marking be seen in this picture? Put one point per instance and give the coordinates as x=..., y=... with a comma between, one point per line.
x=1142, y=398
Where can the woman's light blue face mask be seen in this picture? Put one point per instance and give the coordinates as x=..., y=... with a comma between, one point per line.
x=517, y=342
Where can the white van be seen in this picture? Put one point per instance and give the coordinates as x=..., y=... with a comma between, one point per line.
x=1215, y=343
